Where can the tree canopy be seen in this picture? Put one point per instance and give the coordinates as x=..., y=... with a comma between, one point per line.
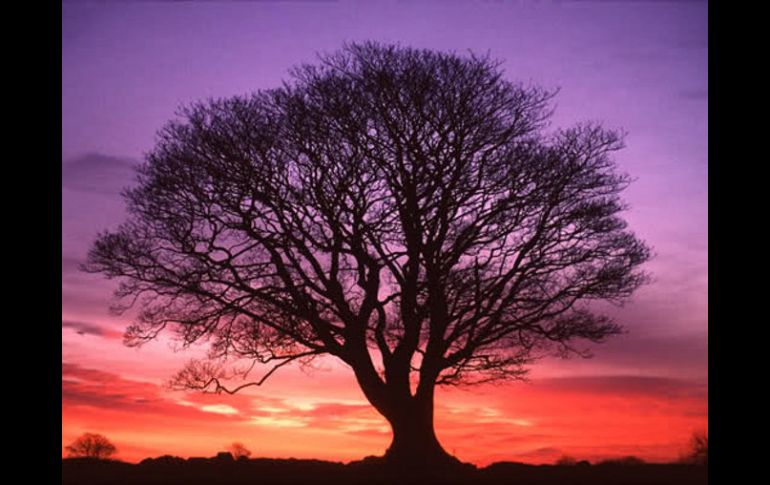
x=91, y=445
x=404, y=210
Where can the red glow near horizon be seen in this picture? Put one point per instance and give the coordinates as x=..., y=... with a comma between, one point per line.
x=324, y=416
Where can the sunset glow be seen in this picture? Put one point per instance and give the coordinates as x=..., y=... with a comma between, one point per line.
x=593, y=417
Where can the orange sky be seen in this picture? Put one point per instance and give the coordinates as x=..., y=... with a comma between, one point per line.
x=322, y=414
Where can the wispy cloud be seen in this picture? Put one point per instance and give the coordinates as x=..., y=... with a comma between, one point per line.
x=87, y=328
x=83, y=386
x=694, y=94
x=98, y=173
x=625, y=385
x=273, y=422
x=219, y=409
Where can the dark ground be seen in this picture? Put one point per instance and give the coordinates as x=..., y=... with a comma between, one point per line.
x=199, y=471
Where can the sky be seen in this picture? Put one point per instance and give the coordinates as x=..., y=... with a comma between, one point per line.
x=638, y=66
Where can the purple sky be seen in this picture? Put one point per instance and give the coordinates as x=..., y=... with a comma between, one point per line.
x=640, y=66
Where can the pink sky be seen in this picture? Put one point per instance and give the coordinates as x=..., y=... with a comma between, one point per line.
x=639, y=66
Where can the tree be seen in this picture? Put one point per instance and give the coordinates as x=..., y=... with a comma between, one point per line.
x=699, y=449
x=239, y=451
x=91, y=445
x=402, y=210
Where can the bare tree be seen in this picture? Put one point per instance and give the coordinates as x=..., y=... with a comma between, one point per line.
x=699, y=449
x=91, y=445
x=402, y=210
x=239, y=451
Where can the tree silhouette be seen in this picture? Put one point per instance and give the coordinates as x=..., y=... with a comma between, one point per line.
x=91, y=445
x=699, y=449
x=402, y=210
x=239, y=451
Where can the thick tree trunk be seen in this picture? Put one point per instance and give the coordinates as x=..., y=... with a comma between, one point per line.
x=414, y=442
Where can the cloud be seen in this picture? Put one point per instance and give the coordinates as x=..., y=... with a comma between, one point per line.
x=97, y=173
x=694, y=94
x=219, y=409
x=94, y=388
x=339, y=416
x=586, y=417
x=684, y=355
x=86, y=328
x=70, y=265
x=547, y=450
x=463, y=415
x=641, y=56
x=336, y=409
x=377, y=433
x=273, y=422
x=627, y=385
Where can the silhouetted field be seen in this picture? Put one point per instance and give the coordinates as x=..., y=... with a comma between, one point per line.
x=264, y=471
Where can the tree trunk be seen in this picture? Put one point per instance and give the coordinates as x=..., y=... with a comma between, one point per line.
x=414, y=442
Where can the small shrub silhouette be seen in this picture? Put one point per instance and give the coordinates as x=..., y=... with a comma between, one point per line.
x=624, y=461
x=699, y=449
x=566, y=461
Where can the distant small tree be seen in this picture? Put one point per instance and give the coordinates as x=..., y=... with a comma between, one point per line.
x=699, y=449
x=91, y=445
x=239, y=451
